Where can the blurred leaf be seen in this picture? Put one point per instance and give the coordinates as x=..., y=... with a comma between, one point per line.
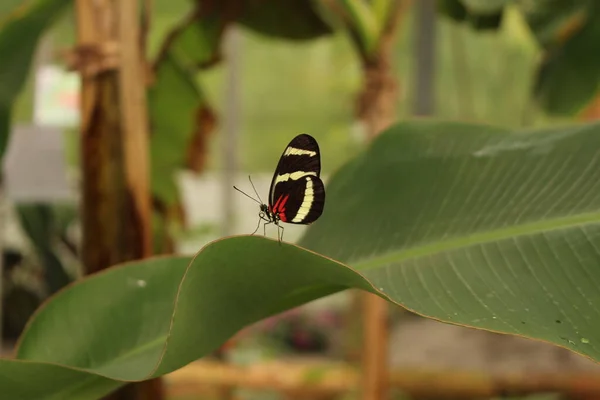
x=363, y=22
x=485, y=21
x=64, y=216
x=177, y=105
x=467, y=224
x=453, y=9
x=553, y=21
x=19, y=303
x=173, y=102
x=382, y=9
x=160, y=233
x=42, y=226
x=478, y=17
x=196, y=40
x=569, y=76
x=366, y=21
x=288, y=19
x=485, y=7
x=19, y=35
x=6, y=7
x=36, y=220
x=181, y=118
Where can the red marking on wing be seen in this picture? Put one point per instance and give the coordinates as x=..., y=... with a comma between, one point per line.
x=276, y=204
x=279, y=207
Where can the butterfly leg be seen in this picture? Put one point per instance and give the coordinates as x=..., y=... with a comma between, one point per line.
x=278, y=236
x=261, y=216
x=265, y=227
x=257, y=226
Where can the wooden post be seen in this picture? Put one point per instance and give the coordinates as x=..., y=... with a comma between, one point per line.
x=115, y=209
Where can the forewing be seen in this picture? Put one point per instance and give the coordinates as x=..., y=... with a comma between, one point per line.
x=300, y=158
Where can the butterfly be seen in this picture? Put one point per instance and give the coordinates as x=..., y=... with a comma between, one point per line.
x=297, y=193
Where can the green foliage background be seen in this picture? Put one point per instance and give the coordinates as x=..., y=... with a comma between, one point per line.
x=315, y=91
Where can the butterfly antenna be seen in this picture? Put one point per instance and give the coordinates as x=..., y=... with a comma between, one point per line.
x=247, y=195
x=257, y=195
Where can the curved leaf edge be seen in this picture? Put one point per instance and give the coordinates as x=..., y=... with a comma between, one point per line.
x=153, y=374
x=119, y=266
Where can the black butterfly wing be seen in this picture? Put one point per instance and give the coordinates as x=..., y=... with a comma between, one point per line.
x=300, y=201
x=300, y=157
x=297, y=193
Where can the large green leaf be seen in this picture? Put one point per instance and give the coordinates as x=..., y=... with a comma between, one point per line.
x=19, y=35
x=149, y=318
x=467, y=224
x=476, y=226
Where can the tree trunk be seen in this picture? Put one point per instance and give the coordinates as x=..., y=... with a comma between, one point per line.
x=376, y=109
x=114, y=146
x=377, y=102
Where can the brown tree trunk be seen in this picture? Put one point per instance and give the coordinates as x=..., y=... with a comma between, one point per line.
x=377, y=101
x=376, y=109
x=114, y=146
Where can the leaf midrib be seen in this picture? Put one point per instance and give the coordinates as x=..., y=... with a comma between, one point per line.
x=475, y=239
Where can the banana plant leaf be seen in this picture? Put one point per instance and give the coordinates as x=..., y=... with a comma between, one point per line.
x=467, y=224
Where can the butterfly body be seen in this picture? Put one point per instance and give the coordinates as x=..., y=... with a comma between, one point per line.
x=297, y=193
